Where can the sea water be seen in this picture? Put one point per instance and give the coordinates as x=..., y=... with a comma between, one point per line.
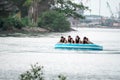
x=18, y=51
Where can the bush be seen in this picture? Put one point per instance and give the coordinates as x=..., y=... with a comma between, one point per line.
x=36, y=73
x=17, y=23
x=25, y=21
x=62, y=77
x=10, y=23
x=7, y=24
x=54, y=21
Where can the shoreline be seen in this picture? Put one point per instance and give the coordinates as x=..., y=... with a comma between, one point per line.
x=105, y=27
x=29, y=30
x=26, y=30
x=42, y=30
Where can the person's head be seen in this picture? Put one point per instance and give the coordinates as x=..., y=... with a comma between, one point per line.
x=85, y=37
x=69, y=36
x=77, y=37
x=62, y=37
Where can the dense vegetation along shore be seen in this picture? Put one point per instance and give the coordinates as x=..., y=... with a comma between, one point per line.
x=48, y=21
x=39, y=15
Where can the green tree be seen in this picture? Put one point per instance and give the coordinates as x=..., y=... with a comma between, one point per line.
x=37, y=7
x=70, y=8
x=54, y=21
x=22, y=9
x=11, y=23
x=7, y=8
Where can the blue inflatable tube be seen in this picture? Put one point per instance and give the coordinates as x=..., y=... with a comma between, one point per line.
x=78, y=46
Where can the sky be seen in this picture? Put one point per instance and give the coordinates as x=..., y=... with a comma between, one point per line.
x=104, y=10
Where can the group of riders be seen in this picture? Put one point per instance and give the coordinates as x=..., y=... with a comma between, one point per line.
x=77, y=40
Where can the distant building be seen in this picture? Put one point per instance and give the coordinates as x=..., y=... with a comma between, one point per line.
x=95, y=19
x=75, y=21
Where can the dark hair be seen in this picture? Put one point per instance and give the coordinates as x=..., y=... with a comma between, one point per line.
x=85, y=38
x=69, y=36
x=62, y=37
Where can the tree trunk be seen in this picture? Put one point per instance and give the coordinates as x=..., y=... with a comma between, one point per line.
x=44, y=5
x=37, y=8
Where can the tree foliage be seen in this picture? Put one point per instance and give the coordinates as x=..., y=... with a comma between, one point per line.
x=65, y=6
x=36, y=8
x=7, y=8
x=22, y=9
x=54, y=21
x=10, y=23
x=70, y=8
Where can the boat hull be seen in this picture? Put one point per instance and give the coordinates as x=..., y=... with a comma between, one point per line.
x=78, y=46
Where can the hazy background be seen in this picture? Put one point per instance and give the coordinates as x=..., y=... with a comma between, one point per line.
x=104, y=11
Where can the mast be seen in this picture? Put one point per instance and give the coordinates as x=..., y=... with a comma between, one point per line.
x=112, y=16
x=100, y=11
x=119, y=12
x=99, y=7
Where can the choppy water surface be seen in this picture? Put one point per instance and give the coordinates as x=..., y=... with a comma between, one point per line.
x=18, y=53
